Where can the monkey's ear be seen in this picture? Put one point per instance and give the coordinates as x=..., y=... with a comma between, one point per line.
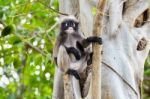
x=78, y=23
x=69, y=17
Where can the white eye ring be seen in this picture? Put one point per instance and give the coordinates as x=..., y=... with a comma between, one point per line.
x=66, y=24
x=74, y=25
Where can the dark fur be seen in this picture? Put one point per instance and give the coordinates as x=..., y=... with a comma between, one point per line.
x=70, y=23
x=74, y=73
x=74, y=51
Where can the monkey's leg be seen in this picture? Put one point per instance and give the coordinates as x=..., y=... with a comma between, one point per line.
x=58, y=89
x=87, y=85
x=80, y=66
x=89, y=61
x=63, y=65
x=74, y=51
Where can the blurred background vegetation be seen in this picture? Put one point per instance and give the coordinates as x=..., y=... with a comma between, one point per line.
x=28, y=29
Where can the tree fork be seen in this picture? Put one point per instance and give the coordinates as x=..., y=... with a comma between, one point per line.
x=96, y=68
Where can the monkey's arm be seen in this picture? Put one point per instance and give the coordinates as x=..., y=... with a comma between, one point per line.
x=74, y=51
x=89, y=61
x=60, y=51
x=86, y=42
x=56, y=49
x=64, y=63
x=70, y=50
x=63, y=67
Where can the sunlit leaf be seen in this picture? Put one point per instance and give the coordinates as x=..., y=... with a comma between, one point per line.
x=38, y=59
x=14, y=40
x=17, y=62
x=8, y=60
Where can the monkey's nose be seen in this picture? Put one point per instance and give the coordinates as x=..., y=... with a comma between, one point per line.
x=70, y=30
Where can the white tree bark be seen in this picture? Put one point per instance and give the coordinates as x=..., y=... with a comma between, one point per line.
x=122, y=63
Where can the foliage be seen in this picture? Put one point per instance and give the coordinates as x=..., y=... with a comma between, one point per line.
x=146, y=85
x=26, y=41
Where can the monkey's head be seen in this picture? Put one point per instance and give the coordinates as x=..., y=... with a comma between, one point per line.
x=69, y=24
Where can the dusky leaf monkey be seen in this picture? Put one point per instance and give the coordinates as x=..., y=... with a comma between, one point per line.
x=71, y=52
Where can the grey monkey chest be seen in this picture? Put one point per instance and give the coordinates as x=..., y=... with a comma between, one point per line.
x=71, y=41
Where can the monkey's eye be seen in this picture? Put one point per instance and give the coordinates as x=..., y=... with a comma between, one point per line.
x=74, y=25
x=66, y=24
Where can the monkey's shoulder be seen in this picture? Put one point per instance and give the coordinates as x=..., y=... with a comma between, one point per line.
x=77, y=36
x=61, y=38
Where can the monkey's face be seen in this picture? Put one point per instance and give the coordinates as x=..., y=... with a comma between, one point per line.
x=69, y=26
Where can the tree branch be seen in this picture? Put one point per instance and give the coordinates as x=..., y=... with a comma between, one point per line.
x=147, y=25
x=115, y=9
x=146, y=78
x=129, y=3
x=53, y=9
x=86, y=13
x=35, y=48
x=134, y=11
x=63, y=61
x=96, y=69
x=29, y=44
x=72, y=5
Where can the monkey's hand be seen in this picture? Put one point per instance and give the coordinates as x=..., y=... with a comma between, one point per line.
x=75, y=52
x=73, y=73
x=94, y=39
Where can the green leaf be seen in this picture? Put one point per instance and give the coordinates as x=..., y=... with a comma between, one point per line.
x=148, y=60
x=147, y=72
x=8, y=60
x=8, y=30
x=11, y=96
x=17, y=62
x=38, y=59
x=14, y=40
x=1, y=14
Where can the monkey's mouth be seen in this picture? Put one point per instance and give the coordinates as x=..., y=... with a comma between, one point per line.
x=70, y=30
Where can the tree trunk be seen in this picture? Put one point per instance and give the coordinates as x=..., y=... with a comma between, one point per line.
x=126, y=24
